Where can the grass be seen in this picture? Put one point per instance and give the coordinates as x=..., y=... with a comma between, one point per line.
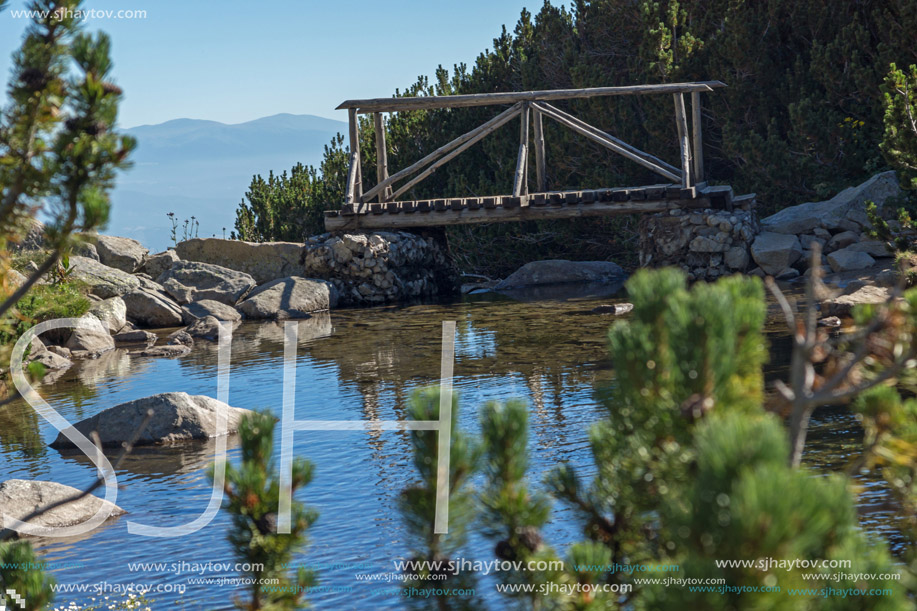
x=44, y=302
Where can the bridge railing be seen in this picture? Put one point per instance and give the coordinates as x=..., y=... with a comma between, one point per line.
x=530, y=107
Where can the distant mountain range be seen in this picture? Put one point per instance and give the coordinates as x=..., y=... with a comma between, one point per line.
x=203, y=168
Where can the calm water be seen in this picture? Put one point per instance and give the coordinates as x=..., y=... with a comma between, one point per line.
x=352, y=365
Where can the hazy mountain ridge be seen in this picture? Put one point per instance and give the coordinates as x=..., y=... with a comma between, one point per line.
x=202, y=168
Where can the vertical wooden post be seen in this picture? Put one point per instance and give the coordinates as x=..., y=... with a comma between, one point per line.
x=381, y=156
x=698, y=137
x=539, y=151
x=681, y=122
x=355, y=152
x=524, y=145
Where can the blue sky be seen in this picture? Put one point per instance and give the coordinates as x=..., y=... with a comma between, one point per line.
x=235, y=61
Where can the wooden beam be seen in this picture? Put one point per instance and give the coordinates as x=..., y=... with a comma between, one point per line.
x=698, y=137
x=357, y=192
x=684, y=145
x=381, y=156
x=351, y=180
x=519, y=180
x=500, y=119
x=486, y=99
x=500, y=214
x=539, y=150
x=523, y=161
x=474, y=136
x=595, y=134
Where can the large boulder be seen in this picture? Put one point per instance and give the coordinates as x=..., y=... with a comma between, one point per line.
x=20, y=497
x=90, y=336
x=177, y=416
x=843, y=305
x=264, y=261
x=844, y=211
x=112, y=312
x=775, y=252
x=189, y=281
x=873, y=248
x=207, y=328
x=846, y=260
x=289, y=298
x=156, y=265
x=208, y=307
x=103, y=281
x=151, y=308
x=559, y=271
x=121, y=253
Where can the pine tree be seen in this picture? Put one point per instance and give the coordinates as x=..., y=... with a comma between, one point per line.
x=252, y=498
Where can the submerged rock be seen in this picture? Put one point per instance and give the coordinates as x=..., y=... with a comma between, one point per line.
x=560, y=271
x=19, y=498
x=177, y=416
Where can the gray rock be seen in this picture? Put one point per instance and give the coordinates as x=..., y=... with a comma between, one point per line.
x=843, y=305
x=177, y=416
x=736, y=258
x=112, y=312
x=189, y=281
x=707, y=244
x=264, y=261
x=789, y=273
x=559, y=271
x=15, y=279
x=51, y=360
x=60, y=351
x=829, y=321
x=91, y=336
x=774, y=252
x=208, y=307
x=160, y=351
x=121, y=253
x=86, y=249
x=34, y=238
x=158, y=264
x=841, y=240
x=289, y=298
x=206, y=328
x=846, y=260
x=19, y=498
x=180, y=338
x=808, y=240
x=845, y=211
x=873, y=248
x=103, y=281
x=150, y=308
x=135, y=337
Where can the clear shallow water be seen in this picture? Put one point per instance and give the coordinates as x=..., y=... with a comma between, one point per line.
x=351, y=365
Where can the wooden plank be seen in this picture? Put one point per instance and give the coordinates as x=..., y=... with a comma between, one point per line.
x=681, y=122
x=540, y=164
x=440, y=205
x=497, y=121
x=698, y=139
x=381, y=156
x=539, y=199
x=489, y=202
x=605, y=140
x=619, y=195
x=348, y=210
x=354, y=129
x=409, y=207
x=519, y=178
x=500, y=214
x=588, y=197
x=377, y=208
x=524, y=141
x=393, y=207
x=509, y=97
x=456, y=203
x=572, y=197
x=350, y=191
x=424, y=205
x=556, y=199
x=512, y=202
x=641, y=193
x=473, y=203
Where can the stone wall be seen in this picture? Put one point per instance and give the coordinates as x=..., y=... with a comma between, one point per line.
x=705, y=243
x=382, y=267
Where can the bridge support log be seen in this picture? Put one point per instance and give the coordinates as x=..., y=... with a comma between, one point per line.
x=354, y=178
x=381, y=157
x=684, y=145
x=539, y=151
x=698, y=137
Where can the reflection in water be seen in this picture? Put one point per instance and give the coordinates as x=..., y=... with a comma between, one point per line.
x=351, y=365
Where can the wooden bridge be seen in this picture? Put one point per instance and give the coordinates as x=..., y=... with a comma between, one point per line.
x=379, y=207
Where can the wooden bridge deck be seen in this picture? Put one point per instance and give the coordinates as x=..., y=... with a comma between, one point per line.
x=535, y=206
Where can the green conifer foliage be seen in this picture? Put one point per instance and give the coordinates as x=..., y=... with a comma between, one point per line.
x=900, y=142
x=252, y=498
x=29, y=583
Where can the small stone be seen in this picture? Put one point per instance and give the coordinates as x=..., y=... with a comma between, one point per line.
x=616, y=309
x=829, y=321
x=841, y=240
x=180, y=338
x=171, y=350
